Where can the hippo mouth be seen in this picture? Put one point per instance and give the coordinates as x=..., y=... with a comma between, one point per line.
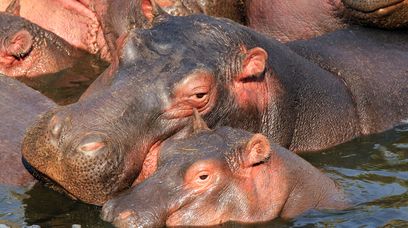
x=45, y=180
x=381, y=10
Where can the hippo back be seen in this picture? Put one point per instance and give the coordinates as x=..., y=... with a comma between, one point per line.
x=372, y=65
x=19, y=107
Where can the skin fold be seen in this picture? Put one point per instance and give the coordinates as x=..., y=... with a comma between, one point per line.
x=109, y=140
x=289, y=20
x=20, y=107
x=44, y=61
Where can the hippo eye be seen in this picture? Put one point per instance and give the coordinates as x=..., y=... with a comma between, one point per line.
x=203, y=177
x=200, y=95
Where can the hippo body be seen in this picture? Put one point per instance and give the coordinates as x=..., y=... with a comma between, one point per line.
x=212, y=177
x=372, y=63
x=289, y=20
x=232, y=75
x=20, y=107
x=44, y=61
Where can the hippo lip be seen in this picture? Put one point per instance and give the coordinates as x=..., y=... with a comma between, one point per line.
x=44, y=179
x=381, y=11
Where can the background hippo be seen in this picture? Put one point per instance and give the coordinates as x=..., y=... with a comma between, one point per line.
x=388, y=14
x=19, y=107
x=44, y=61
x=96, y=24
x=288, y=20
x=230, y=74
x=212, y=177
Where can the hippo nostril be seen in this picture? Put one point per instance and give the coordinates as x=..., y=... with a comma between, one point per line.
x=91, y=143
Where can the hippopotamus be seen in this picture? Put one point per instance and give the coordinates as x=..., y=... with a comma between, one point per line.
x=20, y=106
x=96, y=24
x=215, y=176
x=233, y=76
x=45, y=61
x=288, y=20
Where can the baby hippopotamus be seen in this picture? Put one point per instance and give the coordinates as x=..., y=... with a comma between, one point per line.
x=215, y=176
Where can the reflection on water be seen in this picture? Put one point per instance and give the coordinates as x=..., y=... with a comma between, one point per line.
x=373, y=171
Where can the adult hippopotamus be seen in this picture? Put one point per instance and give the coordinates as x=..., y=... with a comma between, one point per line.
x=288, y=20
x=213, y=177
x=44, y=61
x=20, y=106
x=233, y=76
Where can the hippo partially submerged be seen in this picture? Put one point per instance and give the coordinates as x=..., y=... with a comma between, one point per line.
x=212, y=177
x=20, y=106
x=233, y=76
x=44, y=61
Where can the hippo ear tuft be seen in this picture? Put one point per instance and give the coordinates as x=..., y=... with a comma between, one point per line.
x=198, y=123
x=257, y=151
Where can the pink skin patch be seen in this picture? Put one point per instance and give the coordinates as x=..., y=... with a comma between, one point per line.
x=149, y=164
x=84, y=31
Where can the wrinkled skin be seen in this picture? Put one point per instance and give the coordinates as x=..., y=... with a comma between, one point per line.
x=231, y=75
x=44, y=61
x=288, y=20
x=388, y=14
x=20, y=106
x=213, y=177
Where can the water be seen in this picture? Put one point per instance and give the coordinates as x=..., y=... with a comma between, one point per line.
x=373, y=171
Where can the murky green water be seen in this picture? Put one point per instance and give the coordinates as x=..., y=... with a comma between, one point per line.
x=373, y=171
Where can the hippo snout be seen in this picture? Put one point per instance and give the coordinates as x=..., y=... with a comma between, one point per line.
x=112, y=212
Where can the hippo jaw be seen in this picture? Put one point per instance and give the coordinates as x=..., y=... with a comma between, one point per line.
x=384, y=14
x=367, y=6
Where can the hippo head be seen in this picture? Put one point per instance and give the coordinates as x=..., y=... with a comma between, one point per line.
x=26, y=50
x=215, y=176
x=205, y=179
x=380, y=13
x=109, y=139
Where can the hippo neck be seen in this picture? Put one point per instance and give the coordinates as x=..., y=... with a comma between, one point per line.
x=309, y=109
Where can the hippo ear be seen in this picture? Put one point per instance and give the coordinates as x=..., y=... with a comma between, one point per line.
x=151, y=9
x=14, y=8
x=254, y=63
x=198, y=123
x=257, y=151
x=19, y=45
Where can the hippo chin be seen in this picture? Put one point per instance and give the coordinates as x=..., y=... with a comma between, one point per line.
x=234, y=77
x=213, y=177
x=389, y=14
